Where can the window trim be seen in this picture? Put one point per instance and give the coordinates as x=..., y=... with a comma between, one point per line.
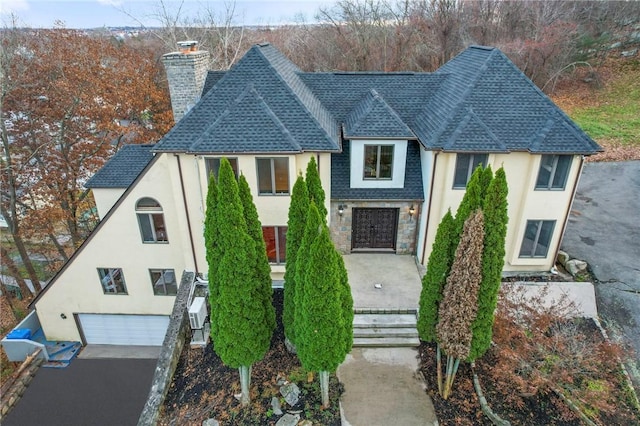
x=532, y=254
x=207, y=170
x=378, y=159
x=111, y=275
x=148, y=213
x=273, y=177
x=280, y=253
x=163, y=272
x=552, y=173
x=471, y=169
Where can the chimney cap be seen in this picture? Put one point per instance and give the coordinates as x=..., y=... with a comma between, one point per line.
x=187, y=43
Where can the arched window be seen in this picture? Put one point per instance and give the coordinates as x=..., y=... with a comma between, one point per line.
x=151, y=221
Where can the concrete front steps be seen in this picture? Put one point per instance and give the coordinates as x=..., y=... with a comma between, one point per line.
x=385, y=328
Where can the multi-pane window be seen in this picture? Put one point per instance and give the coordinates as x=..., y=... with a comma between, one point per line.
x=465, y=165
x=554, y=170
x=273, y=176
x=212, y=165
x=275, y=238
x=378, y=161
x=537, y=238
x=112, y=281
x=164, y=282
x=151, y=221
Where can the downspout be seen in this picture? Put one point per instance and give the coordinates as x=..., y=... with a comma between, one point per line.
x=202, y=206
x=566, y=218
x=426, y=228
x=186, y=212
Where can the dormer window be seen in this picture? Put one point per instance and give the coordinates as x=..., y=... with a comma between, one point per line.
x=151, y=221
x=378, y=161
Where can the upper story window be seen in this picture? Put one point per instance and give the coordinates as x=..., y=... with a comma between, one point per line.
x=151, y=221
x=553, y=173
x=378, y=161
x=112, y=281
x=465, y=165
x=273, y=176
x=537, y=238
x=163, y=282
x=212, y=165
x=275, y=238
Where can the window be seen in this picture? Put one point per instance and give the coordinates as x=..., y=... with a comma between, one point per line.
x=212, y=165
x=537, y=238
x=275, y=238
x=163, y=282
x=273, y=176
x=151, y=221
x=378, y=161
x=112, y=281
x=553, y=172
x=465, y=165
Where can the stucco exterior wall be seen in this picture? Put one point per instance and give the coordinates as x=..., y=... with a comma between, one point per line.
x=118, y=244
x=525, y=203
x=106, y=198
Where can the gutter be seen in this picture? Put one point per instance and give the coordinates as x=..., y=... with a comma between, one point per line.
x=186, y=213
x=426, y=228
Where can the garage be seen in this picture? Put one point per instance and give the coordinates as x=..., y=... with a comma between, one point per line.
x=109, y=329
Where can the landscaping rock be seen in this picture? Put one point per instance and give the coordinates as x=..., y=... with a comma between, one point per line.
x=575, y=266
x=615, y=45
x=563, y=258
x=288, y=420
x=291, y=393
x=290, y=346
x=305, y=423
x=275, y=405
x=629, y=53
x=210, y=422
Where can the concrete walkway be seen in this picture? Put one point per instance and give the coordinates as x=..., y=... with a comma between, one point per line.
x=381, y=389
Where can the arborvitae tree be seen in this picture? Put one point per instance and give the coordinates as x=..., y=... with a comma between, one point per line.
x=316, y=193
x=244, y=335
x=471, y=201
x=347, y=302
x=485, y=179
x=262, y=268
x=295, y=230
x=433, y=281
x=495, y=224
x=311, y=230
x=322, y=316
x=213, y=252
x=460, y=300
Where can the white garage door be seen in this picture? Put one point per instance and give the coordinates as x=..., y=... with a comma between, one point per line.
x=141, y=330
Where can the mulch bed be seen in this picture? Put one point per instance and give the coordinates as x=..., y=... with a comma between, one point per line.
x=204, y=388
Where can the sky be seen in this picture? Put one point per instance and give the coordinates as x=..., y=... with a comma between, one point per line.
x=111, y=13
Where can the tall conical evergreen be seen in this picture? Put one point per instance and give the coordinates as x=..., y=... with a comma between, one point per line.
x=323, y=322
x=471, y=201
x=314, y=184
x=495, y=223
x=311, y=231
x=213, y=252
x=347, y=302
x=262, y=268
x=433, y=281
x=485, y=179
x=295, y=230
x=243, y=335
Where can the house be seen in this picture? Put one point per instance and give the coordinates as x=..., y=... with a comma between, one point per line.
x=394, y=151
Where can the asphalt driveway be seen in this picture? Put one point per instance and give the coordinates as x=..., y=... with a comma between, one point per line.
x=604, y=230
x=88, y=392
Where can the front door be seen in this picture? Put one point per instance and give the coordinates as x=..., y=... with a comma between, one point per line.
x=374, y=228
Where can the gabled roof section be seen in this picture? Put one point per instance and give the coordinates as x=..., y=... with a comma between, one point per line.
x=123, y=168
x=504, y=100
x=373, y=117
x=236, y=128
x=472, y=135
x=275, y=78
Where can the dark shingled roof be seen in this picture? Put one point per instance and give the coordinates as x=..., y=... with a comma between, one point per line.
x=123, y=168
x=341, y=178
x=477, y=102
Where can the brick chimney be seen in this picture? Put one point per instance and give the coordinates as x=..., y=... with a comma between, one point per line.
x=186, y=72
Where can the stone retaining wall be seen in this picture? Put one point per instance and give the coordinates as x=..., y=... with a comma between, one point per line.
x=13, y=391
x=178, y=332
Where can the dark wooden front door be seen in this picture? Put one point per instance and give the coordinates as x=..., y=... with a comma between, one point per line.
x=374, y=228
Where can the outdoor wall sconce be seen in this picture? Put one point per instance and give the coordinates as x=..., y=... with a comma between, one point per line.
x=412, y=211
x=63, y=316
x=341, y=209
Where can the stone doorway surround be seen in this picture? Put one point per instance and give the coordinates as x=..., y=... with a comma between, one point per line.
x=407, y=232
x=397, y=275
